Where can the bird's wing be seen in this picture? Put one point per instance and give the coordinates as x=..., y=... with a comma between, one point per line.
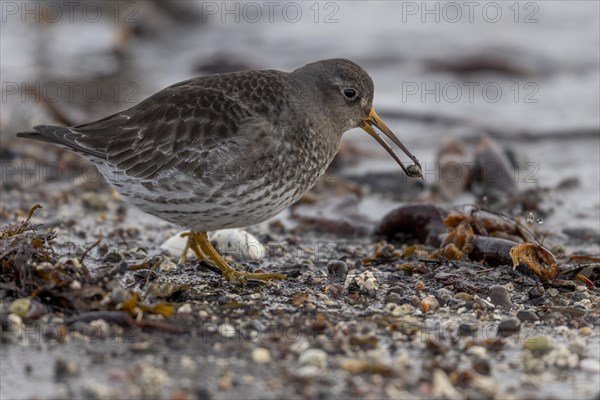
x=186, y=130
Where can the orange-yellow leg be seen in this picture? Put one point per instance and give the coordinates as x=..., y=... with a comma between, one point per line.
x=191, y=244
x=200, y=240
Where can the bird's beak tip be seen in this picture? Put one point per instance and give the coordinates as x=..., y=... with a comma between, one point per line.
x=373, y=120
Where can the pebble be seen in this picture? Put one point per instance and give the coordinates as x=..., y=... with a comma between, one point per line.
x=314, y=357
x=394, y=298
x=487, y=387
x=444, y=291
x=463, y=296
x=93, y=201
x=538, y=345
x=508, y=326
x=224, y=382
x=307, y=372
x=119, y=295
x=562, y=357
x=442, y=387
x=112, y=257
x=97, y=391
x=500, y=296
x=337, y=271
x=102, y=249
x=185, y=309
x=482, y=366
x=64, y=368
x=536, y=292
x=187, y=363
x=387, y=250
x=578, y=296
x=261, y=355
x=584, y=304
x=20, y=307
x=402, y=309
x=140, y=254
x=527, y=315
x=366, y=282
x=167, y=265
x=590, y=365
x=468, y=328
x=477, y=351
x=97, y=329
x=227, y=331
x=481, y=304
x=151, y=380
x=585, y=331
x=429, y=304
x=75, y=285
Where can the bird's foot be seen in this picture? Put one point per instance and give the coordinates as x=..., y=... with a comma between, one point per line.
x=191, y=244
x=200, y=241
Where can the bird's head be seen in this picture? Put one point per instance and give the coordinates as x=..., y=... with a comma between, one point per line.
x=347, y=92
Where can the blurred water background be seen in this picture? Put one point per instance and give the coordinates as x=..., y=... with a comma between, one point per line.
x=528, y=73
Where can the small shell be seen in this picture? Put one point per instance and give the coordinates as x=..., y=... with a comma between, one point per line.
x=238, y=243
x=414, y=171
x=235, y=242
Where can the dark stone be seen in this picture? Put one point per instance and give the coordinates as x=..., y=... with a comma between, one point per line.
x=394, y=298
x=113, y=257
x=527, y=315
x=337, y=271
x=508, y=327
x=535, y=292
x=500, y=296
x=468, y=328
x=420, y=223
x=494, y=251
x=482, y=366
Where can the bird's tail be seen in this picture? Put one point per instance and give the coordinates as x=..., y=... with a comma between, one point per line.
x=64, y=137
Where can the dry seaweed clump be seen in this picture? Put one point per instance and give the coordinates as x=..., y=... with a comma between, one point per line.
x=36, y=282
x=477, y=235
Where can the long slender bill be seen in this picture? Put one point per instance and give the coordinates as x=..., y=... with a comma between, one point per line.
x=373, y=120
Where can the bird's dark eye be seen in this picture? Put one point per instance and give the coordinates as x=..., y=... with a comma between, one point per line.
x=349, y=93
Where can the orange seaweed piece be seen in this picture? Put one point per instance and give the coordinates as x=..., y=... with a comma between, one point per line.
x=539, y=259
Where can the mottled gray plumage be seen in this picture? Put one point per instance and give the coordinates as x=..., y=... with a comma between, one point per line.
x=227, y=150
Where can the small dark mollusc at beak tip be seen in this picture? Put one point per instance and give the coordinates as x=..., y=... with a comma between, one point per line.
x=373, y=120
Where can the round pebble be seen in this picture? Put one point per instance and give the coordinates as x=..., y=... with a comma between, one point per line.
x=429, y=304
x=393, y=298
x=468, y=328
x=536, y=292
x=508, y=327
x=185, y=309
x=337, y=271
x=314, y=357
x=590, y=365
x=585, y=331
x=500, y=296
x=261, y=355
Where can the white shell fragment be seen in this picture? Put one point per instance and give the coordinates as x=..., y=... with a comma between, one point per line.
x=366, y=282
x=234, y=242
x=174, y=245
